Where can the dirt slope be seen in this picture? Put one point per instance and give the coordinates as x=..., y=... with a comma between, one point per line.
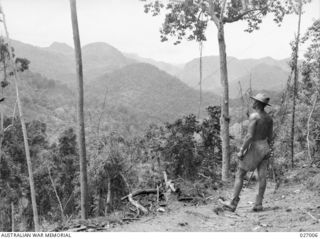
x=288, y=209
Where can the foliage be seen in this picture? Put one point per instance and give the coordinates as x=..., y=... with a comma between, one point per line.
x=310, y=87
x=22, y=64
x=113, y=170
x=188, y=19
x=188, y=148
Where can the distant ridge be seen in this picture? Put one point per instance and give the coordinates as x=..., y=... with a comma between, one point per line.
x=60, y=47
x=57, y=62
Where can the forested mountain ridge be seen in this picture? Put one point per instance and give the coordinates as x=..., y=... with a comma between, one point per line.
x=57, y=62
x=140, y=93
x=172, y=69
x=238, y=70
x=149, y=91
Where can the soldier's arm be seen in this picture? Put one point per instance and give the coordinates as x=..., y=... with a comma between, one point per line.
x=251, y=128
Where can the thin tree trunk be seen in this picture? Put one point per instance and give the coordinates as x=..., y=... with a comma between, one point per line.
x=1, y=132
x=125, y=182
x=200, y=76
x=225, y=119
x=295, y=84
x=81, y=131
x=242, y=104
x=57, y=196
x=12, y=217
x=100, y=211
x=24, y=129
x=102, y=112
x=308, y=127
x=108, y=196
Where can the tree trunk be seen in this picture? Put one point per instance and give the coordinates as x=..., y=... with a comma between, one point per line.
x=108, y=202
x=200, y=78
x=23, y=126
x=225, y=105
x=81, y=131
x=1, y=132
x=295, y=85
x=308, y=127
x=12, y=217
x=57, y=195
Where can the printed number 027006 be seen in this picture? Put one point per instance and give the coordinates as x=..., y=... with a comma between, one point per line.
x=310, y=235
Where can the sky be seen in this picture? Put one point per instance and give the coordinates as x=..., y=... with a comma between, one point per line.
x=124, y=25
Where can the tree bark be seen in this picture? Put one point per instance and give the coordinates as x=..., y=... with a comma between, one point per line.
x=63, y=218
x=296, y=75
x=308, y=127
x=108, y=202
x=23, y=126
x=225, y=119
x=12, y=217
x=200, y=78
x=81, y=131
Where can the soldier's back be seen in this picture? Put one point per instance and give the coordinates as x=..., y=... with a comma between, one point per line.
x=263, y=127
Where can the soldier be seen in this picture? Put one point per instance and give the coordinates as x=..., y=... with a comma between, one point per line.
x=254, y=152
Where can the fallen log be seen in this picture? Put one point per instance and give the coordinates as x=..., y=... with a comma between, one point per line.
x=139, y=192
x=130, y=219
x=186, y=198
x=136, y=204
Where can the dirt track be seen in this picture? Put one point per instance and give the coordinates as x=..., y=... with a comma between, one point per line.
x=289, y=209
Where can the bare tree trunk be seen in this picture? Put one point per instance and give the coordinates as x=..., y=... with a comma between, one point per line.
x=81, y=131
x=12, y=217
x=125, y=182
x=102, y=112
x=108, y=196
x=200, y=78
x=23, y=125
x=225, y=119
x=242, y=105
x=1, y=132
x=100, y=211
x=296, y=75
x=308, y=127
x=57, y=196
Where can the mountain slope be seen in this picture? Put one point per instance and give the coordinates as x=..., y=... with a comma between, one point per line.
x=57, y=61
x=100, y=58
x=236, y=70
x=52, y=64
x=149, y=91
x=172, y=69
x=60, y=47
x=263, y=77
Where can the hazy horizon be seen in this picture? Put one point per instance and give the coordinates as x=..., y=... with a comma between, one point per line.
x=146, y=57
x=123, y=25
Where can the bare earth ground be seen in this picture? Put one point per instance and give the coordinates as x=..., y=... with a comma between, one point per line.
x=292, y=208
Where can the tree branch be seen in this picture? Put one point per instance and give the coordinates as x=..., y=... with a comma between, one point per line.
x=241, y=15
x=212, y=14
x=222, y=10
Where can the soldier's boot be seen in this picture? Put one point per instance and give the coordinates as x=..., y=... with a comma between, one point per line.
x=230, y=205
x=258, y=204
